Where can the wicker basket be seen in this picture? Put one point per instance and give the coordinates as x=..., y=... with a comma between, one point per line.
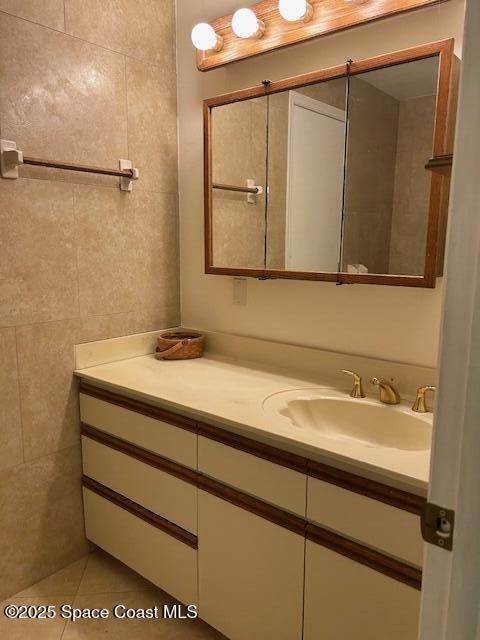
x=180, y=345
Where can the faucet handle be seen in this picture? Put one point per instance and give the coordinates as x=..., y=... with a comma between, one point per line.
x=357, y=390
x=420, y=404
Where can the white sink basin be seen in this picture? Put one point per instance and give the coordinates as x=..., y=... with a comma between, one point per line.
x=334, y=415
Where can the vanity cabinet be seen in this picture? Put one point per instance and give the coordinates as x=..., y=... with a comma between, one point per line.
x=268, y=543
x=250, y=573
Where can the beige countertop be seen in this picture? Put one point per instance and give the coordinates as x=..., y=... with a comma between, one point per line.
x=233, y=394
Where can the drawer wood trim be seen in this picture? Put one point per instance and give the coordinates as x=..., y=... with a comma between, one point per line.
x=139, y=407
x=389, y=566
x=254, y=505
x=368, y=488
x=343, y=479
x=258, y=449
x=144, y=514
x=147, y=457
x=360, y=553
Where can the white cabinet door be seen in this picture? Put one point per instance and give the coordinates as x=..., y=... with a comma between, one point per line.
x=251, y=573
x=345, y=599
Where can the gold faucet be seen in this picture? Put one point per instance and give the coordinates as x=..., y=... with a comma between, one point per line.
x=420, y=404
x=388, y=393
x=357, y=390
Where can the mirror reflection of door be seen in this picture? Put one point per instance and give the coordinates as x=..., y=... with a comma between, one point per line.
x=316, y=133
x=306, y=148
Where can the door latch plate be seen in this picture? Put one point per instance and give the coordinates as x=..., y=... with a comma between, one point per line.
x=438, y=525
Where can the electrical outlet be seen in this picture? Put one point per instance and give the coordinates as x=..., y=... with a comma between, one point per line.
x=239, y=291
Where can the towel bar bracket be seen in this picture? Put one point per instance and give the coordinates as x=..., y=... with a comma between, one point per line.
x=10, y=159
x=127, y=181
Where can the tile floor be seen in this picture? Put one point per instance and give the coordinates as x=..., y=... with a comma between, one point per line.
x=99, y=581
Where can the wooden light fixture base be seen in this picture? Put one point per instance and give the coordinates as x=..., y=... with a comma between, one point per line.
x=328, y=16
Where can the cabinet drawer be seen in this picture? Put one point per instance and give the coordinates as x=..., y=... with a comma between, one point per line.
x=345, y=599
x=157, y=491
x=150, y=433
x=154, y=554
x=387, y=528
x=266, y=480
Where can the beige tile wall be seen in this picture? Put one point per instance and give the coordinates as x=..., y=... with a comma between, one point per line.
x=370, y=174
x=81, y=81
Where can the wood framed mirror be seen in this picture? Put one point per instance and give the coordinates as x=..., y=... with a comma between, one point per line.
x=335, y=175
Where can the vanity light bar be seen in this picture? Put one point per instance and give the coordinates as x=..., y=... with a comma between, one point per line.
x=272, y=24
x=245, y=24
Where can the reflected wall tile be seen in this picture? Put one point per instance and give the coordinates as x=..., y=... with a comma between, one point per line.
x=412, y=188
x=232, y=129
x=61, y=98
x=238, y=232
x=152, y=125
x=38, y=258
x=373, y=118
x=11, y=452
x=42, y=499
x=47, y=12
x=127, y=249
x=48, y=391
x=143, y=29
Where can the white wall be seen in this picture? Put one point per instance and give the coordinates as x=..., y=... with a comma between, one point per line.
x=394, y=323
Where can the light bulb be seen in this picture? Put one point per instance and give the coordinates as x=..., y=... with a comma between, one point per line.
x=294, y=10
x=204, y=37
x=245, y=24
